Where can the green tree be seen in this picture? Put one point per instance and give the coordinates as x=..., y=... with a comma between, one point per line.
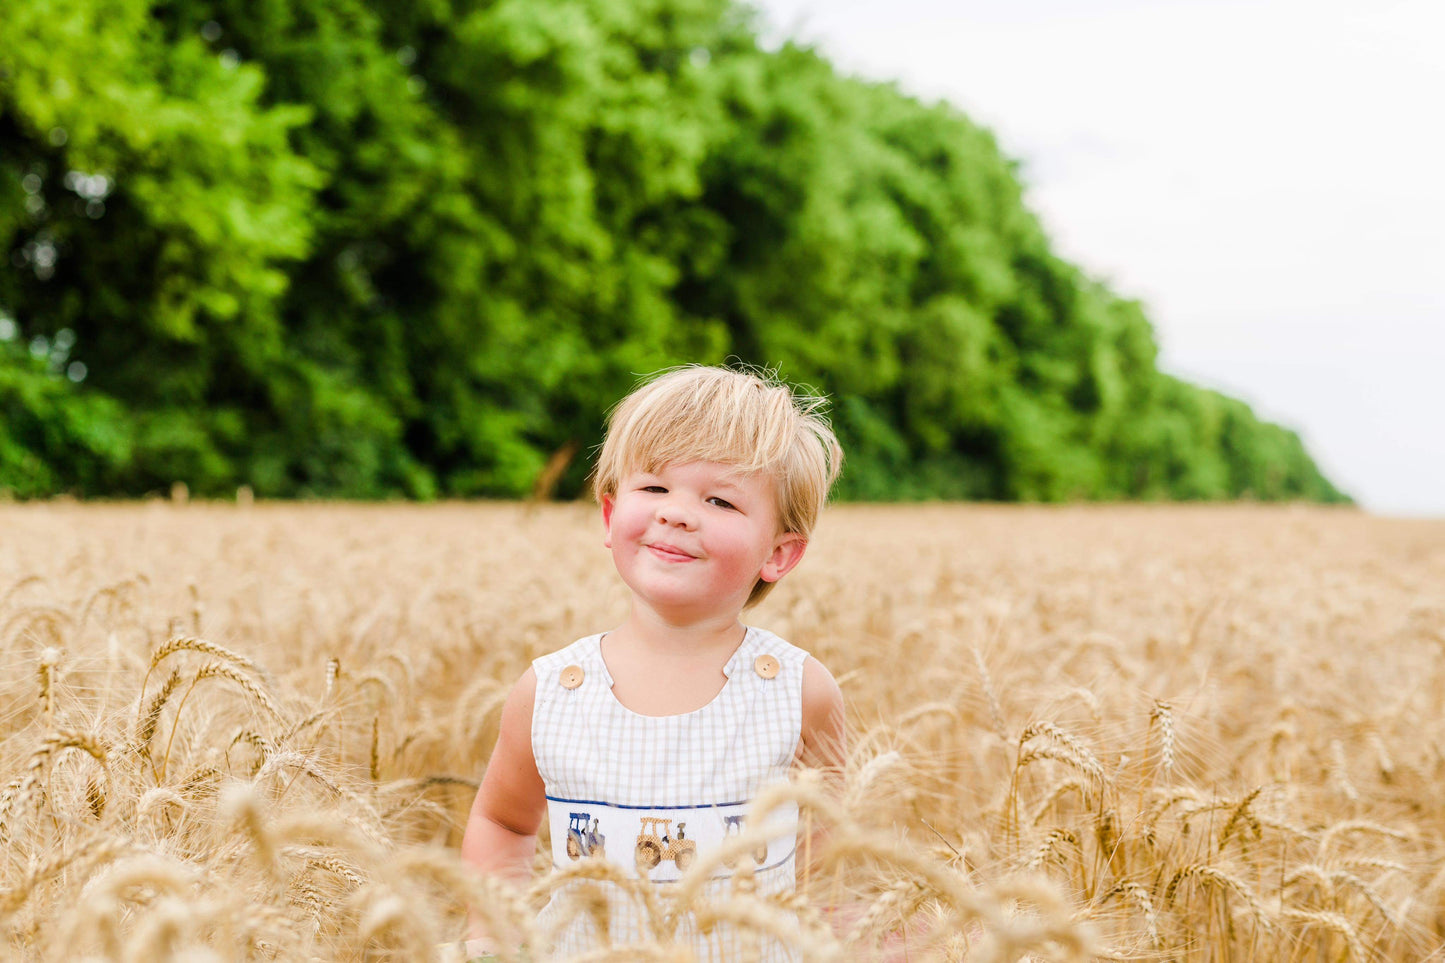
x=379, y=248
x=158, y=206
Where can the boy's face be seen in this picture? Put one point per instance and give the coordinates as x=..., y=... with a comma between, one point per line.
x=692, y=540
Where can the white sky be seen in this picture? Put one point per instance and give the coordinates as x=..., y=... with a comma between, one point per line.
x=1265, y=175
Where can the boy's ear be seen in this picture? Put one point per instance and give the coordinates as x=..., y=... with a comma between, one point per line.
x=607, y=503
x=788, y=551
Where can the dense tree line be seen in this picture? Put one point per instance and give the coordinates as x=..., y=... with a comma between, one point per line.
x=418, y=248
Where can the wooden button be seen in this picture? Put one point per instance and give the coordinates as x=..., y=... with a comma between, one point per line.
x=571, y=677
x=766, y=666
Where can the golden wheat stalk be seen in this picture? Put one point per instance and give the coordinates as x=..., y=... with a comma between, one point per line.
x=1066, y=747
x=1218, y=878
x=20, y=585
x=219, y=670
x=329, y=861
x=1139, y=896
x=57, y=623
x=114, y=596
x=240, y=805
x=1052, y=847
x=150, y=715
x=49, y=661
x=765, y=918
x=1330, y=882
x=188, y=643
x=375, y=757
x=1335, y=923
x=1355, y=827
x=1083, y=764
x=893, y=906
x=37, y=767
x=995, y=710
x=1163, y=714
x=1239, y=817
x=1056, y=794
x=1340, y=772
x=216, y=670
x=91, y=851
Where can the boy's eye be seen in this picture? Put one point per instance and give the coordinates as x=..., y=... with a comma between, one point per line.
x=655, y=489
x=721, y=502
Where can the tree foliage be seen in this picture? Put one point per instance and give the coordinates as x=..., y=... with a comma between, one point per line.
x=418, y=249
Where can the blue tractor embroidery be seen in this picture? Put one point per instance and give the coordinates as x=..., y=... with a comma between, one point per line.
x=582, y=841
x=733, y=826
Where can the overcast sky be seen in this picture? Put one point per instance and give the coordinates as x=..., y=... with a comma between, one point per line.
x=1265, y=176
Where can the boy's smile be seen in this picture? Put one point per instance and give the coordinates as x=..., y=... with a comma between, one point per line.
x=668, y=553
x=692, y=540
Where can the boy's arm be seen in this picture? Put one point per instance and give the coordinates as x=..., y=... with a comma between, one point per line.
x=501, y=833
x=824, y=745
x=825, y=748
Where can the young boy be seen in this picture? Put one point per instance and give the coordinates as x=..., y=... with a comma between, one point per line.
x=643, y=745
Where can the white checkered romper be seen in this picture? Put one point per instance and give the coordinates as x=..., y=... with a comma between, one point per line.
x=652, y=793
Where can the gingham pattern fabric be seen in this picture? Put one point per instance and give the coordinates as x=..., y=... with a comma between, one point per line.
x=589, y=747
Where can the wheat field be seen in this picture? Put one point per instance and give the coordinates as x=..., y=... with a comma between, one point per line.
x=1134, y=733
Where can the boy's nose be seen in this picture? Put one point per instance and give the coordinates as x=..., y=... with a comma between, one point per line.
x=673, y=512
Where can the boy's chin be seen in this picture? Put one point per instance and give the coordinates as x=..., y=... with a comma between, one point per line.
x=682, y=608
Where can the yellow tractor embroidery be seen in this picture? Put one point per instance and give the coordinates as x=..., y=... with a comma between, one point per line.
x=582, y=841
x=653, y=849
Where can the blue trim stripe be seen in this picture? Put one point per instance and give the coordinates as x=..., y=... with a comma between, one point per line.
x=761, y=869
x=599, y=802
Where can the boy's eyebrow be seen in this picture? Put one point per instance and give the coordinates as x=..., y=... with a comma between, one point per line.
x=730, y=482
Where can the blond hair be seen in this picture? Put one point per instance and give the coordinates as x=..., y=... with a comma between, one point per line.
x=744, y=418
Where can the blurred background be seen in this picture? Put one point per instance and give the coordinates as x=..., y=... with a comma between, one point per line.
x=1256, y=172
x=1038, y=252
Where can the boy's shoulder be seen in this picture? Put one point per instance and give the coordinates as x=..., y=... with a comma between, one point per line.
x=759, y=640
x=583, y=650
x=760, y=647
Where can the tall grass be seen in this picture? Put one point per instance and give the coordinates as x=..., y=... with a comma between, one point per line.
x=1090, y=733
